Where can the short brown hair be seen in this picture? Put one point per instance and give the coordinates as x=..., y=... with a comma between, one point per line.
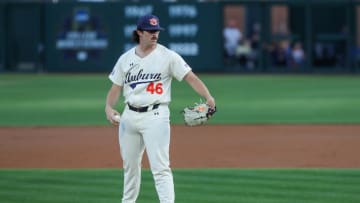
x=135, y=37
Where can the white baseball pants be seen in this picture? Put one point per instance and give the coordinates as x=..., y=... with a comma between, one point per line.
x=151, y=131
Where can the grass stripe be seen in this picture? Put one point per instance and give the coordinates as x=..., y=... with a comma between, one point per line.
x=200, y=185
x=257, y=99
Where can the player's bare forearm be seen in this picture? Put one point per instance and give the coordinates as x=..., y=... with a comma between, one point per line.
x=200, y=88
x=113, y=96
x=111, y=100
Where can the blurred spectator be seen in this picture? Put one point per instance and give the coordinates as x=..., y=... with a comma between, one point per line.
x=245, y=54
x=255, y=43
x=232, y=35
x=298, y=55
x=324, y=54
x=331, y=48
x=255, y=36
x=356, y=55
x=341, y=47
x=280, y=52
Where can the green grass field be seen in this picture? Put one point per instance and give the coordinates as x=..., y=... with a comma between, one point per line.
x=41, y=100
x=192, y=186
x=28, y=100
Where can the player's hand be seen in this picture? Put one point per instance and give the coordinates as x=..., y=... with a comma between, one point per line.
x=112, y=116
x=211, y=102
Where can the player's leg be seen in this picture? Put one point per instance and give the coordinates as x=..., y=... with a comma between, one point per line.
x=156, y=136
x=132, y=149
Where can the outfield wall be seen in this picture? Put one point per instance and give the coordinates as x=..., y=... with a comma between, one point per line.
x=88, y=37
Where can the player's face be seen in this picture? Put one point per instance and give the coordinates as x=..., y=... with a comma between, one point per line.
x=150, y=37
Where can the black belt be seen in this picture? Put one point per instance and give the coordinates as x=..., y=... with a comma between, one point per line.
x=144, y=108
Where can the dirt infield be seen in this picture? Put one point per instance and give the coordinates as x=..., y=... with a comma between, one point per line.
x=197, y=147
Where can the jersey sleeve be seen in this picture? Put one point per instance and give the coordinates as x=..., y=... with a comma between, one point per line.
x=116, y=75
x=179, y=68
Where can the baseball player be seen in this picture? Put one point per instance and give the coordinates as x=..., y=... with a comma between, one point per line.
x=143, y=75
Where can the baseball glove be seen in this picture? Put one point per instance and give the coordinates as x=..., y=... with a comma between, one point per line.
x=198, y=114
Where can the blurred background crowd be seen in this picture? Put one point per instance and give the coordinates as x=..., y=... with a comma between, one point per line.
x=213, y=35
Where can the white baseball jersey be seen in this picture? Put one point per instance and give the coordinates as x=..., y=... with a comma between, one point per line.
x=147, y=80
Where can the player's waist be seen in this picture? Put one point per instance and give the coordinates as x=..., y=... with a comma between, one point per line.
x=144, y=108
